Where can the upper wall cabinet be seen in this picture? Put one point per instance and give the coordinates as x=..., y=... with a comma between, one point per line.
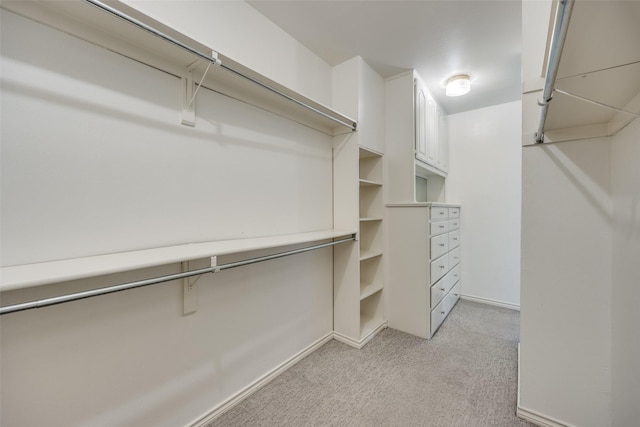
x=417, y=145
x=431, y=143
x=131, y=33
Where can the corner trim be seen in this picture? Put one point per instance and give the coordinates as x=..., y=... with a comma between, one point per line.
x=490, y=301
x=362, y=342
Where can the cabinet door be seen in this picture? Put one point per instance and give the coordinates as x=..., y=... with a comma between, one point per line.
x=421, y=123
x=432, y=131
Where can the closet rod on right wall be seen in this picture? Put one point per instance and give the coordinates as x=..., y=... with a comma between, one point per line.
x=563, y=16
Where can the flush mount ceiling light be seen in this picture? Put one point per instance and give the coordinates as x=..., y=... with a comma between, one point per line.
x=458, y=85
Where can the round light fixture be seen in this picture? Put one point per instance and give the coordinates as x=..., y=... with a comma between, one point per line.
x=458, y=85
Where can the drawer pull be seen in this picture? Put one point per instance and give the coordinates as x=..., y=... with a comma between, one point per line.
x=442, y=244
x=455, y=275
x=441, y=213
x=455, y=257
x=441, y=266
x=443, y=312
x=441, y=226
x=442, y=289
x=455, y=238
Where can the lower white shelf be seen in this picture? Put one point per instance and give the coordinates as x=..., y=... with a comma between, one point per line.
x=371, y=314
x=27, y=275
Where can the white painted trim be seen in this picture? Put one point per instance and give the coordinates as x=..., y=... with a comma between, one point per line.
x=539, y=419
x=361, y=343
x=232, y=401
x=490, y=302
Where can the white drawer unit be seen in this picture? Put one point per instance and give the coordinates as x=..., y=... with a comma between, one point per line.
x=423, y=261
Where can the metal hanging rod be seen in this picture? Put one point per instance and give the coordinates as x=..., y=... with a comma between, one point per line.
x=210, y=58
x=563, y=16
x=156, y=280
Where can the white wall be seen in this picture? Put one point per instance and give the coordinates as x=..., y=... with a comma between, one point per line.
x=625, y=315
x=565, y=323
x=94, y=161
x=484, y=177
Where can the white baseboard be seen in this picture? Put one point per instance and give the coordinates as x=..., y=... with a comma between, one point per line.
x=532, y=416
x=360, y=343
x=259, y=383
x=490, y=302
x=539, y=419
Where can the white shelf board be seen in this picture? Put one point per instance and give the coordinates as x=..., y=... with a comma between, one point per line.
x=369, y=323
x=366, y=219
x=366, y=152
x=369, y=254
x=370, y=289
x=368, y=183
x=27, y=275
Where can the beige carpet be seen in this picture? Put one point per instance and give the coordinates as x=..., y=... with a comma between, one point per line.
x=465, y=376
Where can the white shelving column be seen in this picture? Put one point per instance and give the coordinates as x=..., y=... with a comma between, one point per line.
x=359, y=204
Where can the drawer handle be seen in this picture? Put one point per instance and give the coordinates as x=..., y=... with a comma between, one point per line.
x=441, y=213
x=455, y=238
x=442, y=244
x=443, y=312
x=442, y=289
x=455, y=257
x=441, y=266
x=441, y=226
x=455, y=275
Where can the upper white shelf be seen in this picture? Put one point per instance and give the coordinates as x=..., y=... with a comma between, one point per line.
x=23, y=276
x=86, y=21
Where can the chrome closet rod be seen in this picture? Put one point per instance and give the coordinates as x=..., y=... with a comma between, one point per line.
x=162, y=279
x=208, y=58
x=563, y=15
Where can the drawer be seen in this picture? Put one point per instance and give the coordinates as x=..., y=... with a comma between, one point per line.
x=439, y=227
x=455, y=292
x=454, y=239
x=437, y=317
x=455, y=274
x=453, y=224
x=454, y=213
x=454, y=257
x=438, y=291
x=439, y=268
x=438, y=214
x=443, y=309
x=439, y=245
x=441, y=287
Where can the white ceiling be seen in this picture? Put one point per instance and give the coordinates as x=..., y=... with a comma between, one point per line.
x=482, y=38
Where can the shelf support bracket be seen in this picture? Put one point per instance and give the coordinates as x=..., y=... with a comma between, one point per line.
x=189, y=90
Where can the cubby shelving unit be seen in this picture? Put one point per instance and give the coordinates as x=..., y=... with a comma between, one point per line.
x=371, y=240
x=359, y=267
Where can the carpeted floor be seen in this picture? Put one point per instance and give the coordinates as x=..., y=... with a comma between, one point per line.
x=465, y=376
